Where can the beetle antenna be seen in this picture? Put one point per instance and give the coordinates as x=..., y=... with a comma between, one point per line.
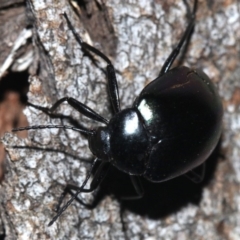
x=85, y=131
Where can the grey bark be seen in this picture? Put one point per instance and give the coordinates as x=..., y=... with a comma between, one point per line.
x=137, y=36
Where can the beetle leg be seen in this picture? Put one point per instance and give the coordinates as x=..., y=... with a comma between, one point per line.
x=80, y=107
x=137, y=184
x=68, y=189
x=169, y=61
x=197, y=174
x=112, y=80
x=97, y=178
x=113, y=89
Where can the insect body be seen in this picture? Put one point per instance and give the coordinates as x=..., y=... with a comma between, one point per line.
x=171, y=128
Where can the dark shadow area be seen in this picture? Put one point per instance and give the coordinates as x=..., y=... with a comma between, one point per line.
x=13, y=94
x=2, y=237
x=15, y=82
x=160, y=199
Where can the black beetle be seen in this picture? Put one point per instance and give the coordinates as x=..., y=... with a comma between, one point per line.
x=171, y=128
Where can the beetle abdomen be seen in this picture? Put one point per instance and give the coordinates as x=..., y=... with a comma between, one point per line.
x=182, y=112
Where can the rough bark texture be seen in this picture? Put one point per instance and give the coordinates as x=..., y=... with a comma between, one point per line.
x=137, y=36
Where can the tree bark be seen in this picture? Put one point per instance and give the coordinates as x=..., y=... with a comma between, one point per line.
x=137, y=37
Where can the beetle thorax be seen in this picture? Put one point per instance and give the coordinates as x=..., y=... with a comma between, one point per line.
x=129, y=142
x=124, y=142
